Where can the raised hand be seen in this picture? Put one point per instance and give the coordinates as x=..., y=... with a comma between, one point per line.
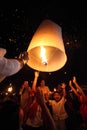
x=36, y=74
x=70, y=83
x=63, y=85
x=74, y=79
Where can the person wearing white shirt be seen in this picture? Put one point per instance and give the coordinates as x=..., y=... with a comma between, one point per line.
x=9, y=67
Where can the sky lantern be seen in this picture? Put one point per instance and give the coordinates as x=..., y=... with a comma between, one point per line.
x=46, y=48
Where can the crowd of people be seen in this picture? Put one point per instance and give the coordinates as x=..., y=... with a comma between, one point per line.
x=68, y=111
x=40, y=109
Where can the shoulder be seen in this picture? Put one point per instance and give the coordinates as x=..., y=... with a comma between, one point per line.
x=47, y=87
x=52, y=101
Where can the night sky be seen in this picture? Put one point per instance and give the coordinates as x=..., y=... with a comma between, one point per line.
x=18, y=24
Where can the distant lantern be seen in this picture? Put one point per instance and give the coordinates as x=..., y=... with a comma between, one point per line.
x=46, y=49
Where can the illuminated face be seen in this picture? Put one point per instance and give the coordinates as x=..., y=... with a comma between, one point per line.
x=57, y=96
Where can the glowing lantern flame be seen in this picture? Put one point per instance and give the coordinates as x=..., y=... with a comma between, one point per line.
x=43, y=55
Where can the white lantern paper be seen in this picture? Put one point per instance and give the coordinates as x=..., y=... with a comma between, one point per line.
x=46, y=48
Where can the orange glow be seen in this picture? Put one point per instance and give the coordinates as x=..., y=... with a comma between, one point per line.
x=43, y=55
x=54, y=89
x=10, y=89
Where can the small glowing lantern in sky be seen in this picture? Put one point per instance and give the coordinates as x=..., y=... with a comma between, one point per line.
x=46, y=49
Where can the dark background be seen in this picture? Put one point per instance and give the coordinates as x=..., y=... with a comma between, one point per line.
x=18, y=24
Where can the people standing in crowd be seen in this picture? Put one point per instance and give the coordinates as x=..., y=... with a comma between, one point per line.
x=36, y=113
x=24, y=95
x=31, y=113
x=48, y=121
x=58, y=108
x=72, y=107
x=82, y=98
x=45, y=89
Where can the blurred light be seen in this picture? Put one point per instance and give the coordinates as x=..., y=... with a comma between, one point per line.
x=54, y=89
x=10, y=89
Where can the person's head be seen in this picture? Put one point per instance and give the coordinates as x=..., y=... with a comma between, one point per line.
x=58, y=88
x=57, y=96
x=42, y=83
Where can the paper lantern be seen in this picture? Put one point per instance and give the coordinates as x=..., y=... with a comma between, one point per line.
x=46, y=48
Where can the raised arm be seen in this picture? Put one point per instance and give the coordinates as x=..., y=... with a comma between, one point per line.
x=36, y=75
x=48, y=120
x=63, y=86
x=10, y=67
x=24, y=85
x=77, y=86
x=72, y=88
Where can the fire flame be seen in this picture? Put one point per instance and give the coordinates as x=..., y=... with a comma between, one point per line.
x=43, y=55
